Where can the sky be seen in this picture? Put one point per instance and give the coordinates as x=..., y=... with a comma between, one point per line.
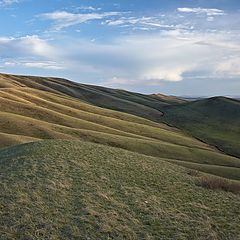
x=174, y=47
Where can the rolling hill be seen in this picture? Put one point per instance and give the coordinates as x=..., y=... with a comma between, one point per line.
x=215, y=120
x=133, y=103
x=34, y=108
x=56, y=189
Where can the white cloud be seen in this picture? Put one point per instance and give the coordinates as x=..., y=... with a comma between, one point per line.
x=89, y=8
x=143, y=23
x=22, y=46
x=207, y=11
x=63, y=19
x=149, y=59
x=45, y=65
x=210, y=19
x=167, y=74
x=229, y=66
x=137, y=59
x=8, y=2
x=34, y=64
x=28, y=52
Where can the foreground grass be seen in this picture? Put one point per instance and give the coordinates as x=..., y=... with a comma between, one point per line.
x=78, y=190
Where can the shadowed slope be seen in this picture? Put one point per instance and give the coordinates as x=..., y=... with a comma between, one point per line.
x=214, y=120
x=77, y=190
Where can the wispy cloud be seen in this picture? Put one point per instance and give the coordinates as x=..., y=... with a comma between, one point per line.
x=4, y=3
x=229, y=66
x=146, y=23
x=207, y=11
x=28, y=52
x=63, y=19
x=88, y=8
x=22, y=46
x=143, y=21
x=28, y=63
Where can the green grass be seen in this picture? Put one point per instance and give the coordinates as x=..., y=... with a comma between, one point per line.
x=215, y=120
x=222, y=171
x=78, y=190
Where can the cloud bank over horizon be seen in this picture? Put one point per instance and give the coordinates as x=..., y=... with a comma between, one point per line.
x=182, y=50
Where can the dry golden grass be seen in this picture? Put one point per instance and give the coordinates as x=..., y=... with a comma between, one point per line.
x=217, y=183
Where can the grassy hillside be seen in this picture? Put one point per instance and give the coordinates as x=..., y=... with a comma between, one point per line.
x=168, y=99
x=133, y=103
x=30, y=110
x=215, y=120
x=79, y=190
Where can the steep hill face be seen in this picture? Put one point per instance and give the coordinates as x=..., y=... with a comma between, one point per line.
x=79, y=190
x=33, y=109
x=214, y=120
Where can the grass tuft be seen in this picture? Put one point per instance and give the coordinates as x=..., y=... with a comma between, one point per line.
x=216, y=183
x=193, y=173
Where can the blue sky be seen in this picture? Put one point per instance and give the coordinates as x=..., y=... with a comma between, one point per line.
x=177, y=47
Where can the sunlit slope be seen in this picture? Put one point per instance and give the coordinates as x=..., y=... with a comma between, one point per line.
x=79, y=190
x=214, y=120
x=13, y=139
x=35, y=105
x=168, y=99
x=129, y=102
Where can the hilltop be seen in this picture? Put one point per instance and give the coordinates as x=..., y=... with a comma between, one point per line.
x=78, y=190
